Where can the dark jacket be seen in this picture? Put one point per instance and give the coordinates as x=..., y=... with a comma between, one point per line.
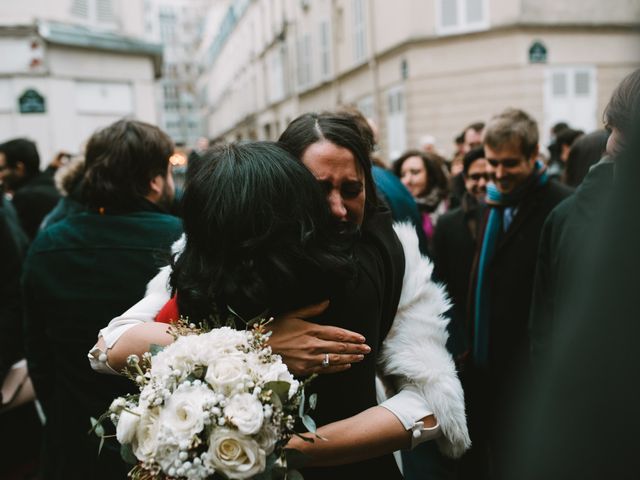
x=454, y=248
x=567, y=241
x=510, y=276
x=80, y=273
x=13, y=245
x=34, y=200
x=368, y=307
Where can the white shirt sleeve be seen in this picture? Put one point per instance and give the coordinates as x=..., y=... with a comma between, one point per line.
x=157, y=294
x=410, y=407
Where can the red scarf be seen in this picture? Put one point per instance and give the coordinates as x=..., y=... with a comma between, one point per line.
x=169, y=313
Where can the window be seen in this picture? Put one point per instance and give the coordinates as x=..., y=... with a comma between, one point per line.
x=459, y=16
x=80, y=8
x=365, y=105
x=359, y=31
x=276, y=75
x=396, y=122
x=304, y=61
x=325, y=50
x=96, y=12
x=570, y=96
x=104, y=11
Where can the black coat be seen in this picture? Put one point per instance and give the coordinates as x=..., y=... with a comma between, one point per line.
x=34, y=200
x=78, y=275
x=511, y=275
x=367, y=307
x=454, y=248
x=567, y=241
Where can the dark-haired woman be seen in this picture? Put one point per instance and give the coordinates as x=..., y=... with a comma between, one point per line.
x=357, y=428
x=424, y=176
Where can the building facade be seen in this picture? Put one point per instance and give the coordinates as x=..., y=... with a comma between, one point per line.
x=180, y=28
x=73, y=66
x=416, y=67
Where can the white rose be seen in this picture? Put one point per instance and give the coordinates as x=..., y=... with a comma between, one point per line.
x=127, y=425
x=234, y=455
x=245, y=412
x=225, y=339
x=267, y=438
x=166, y=455
x=183, y=412
x=278, y=372
x=225, y=373
x=145, y=441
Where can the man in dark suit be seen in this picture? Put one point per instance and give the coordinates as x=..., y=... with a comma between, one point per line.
x=519, y=199
x=454, y=246
x=85, y=270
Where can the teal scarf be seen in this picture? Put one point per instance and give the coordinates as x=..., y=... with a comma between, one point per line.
x=498, y=203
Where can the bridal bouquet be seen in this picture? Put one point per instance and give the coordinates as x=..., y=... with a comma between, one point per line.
x=211, y=405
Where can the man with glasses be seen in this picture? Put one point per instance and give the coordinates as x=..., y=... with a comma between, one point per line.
x=519, y=198
x=455, y=242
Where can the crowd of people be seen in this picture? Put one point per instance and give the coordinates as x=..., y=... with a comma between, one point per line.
x=435, y=297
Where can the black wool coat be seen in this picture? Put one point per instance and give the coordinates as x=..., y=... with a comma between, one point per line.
x=511, y=275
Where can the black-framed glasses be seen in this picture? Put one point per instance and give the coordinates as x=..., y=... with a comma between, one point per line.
x=476, y=177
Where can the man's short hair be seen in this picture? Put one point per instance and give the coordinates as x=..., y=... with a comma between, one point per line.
x=121, y=160
x=512, y=127
x=568, y=136
x=475, y=126
x=470, y=157
x=22, y=150
x=623, y=104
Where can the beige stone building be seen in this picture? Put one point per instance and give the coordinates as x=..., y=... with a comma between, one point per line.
x=416, y=67
x=72, y=66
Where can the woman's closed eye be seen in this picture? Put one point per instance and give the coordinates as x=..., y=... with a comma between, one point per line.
x=352, y=189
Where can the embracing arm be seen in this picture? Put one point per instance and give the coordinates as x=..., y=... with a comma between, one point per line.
x=369, y=434
x=135, y=330
x=301, y=344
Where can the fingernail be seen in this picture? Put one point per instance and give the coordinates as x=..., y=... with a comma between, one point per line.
x=360, y=357
x=367, y=348
x=362, y=339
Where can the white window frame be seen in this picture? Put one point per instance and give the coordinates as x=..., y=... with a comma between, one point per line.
x=304, y=62
x=276, y=61
x=92, y=13
x=324, y=47
x=461, y=26
x=396, y=102
x=577, y=119
x=359, y=31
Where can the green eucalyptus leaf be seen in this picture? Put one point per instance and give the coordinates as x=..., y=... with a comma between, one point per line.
x=101, y=445
x=309, y=423
x=280, y=388
x=301, y=406
x=96, y=427
x=273, y=470
x=154, y=349
x=313, y=401
x=127, y=454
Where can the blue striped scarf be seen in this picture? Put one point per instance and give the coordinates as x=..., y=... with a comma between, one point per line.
x=498, y=202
